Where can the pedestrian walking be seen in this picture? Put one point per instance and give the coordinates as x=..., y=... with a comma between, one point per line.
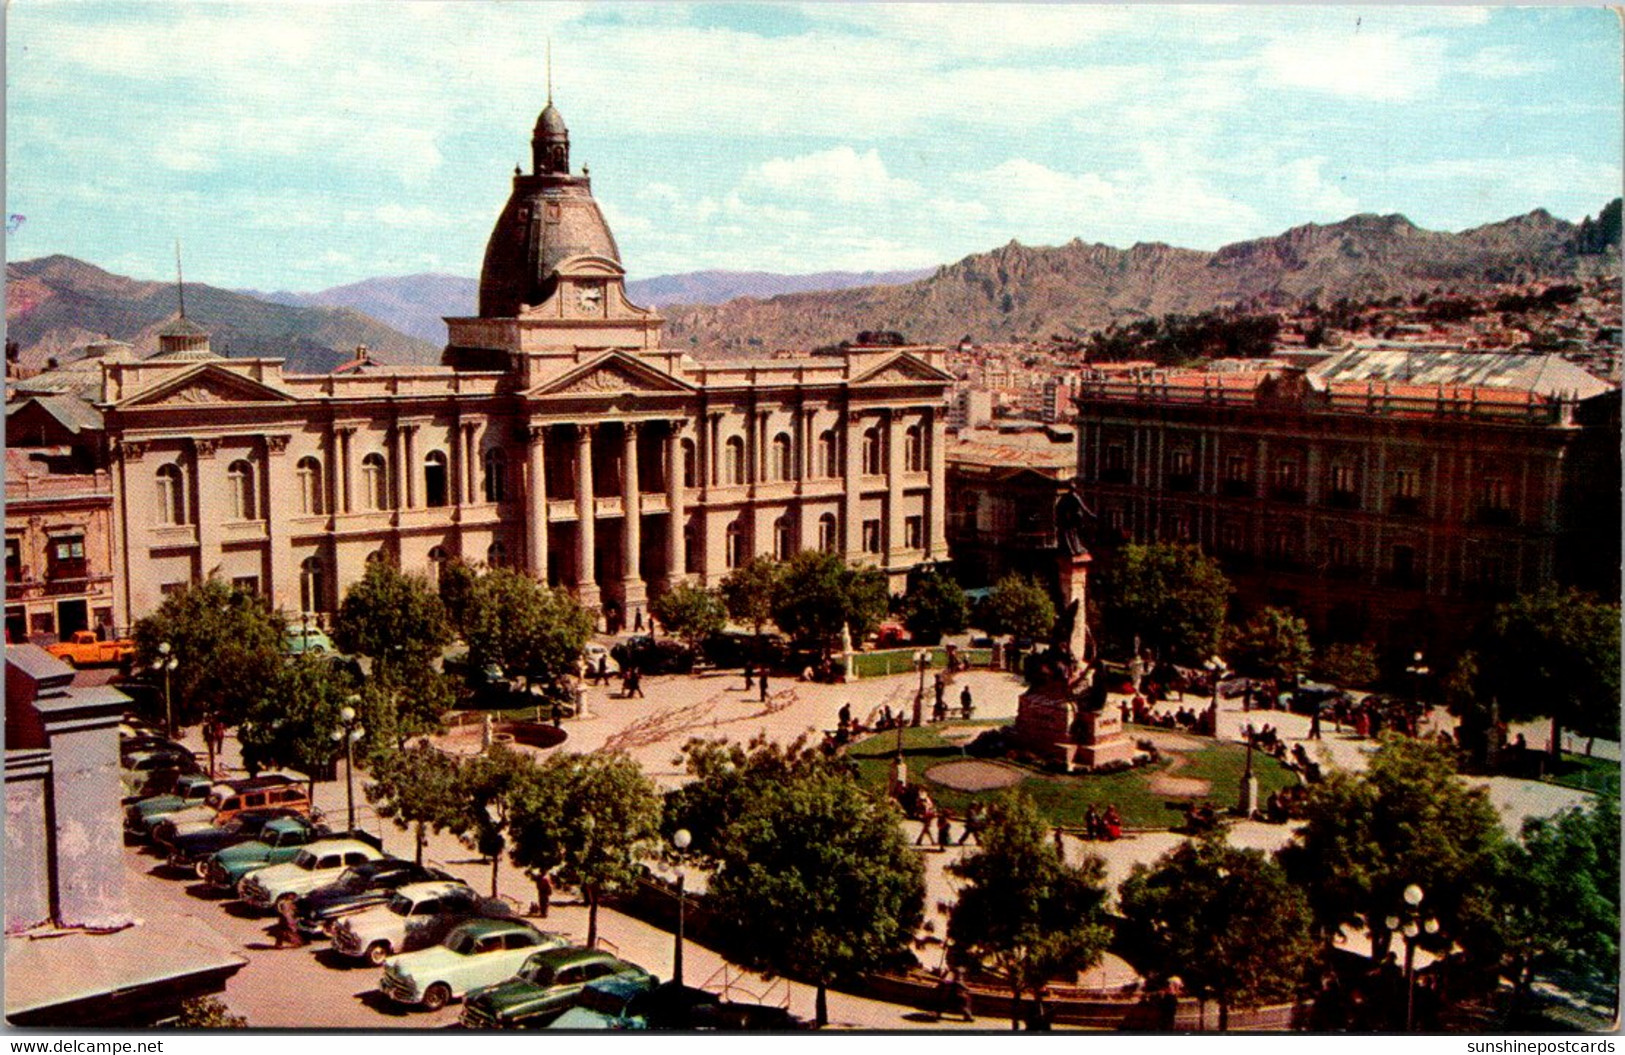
x=637, y=622
x=944, y=833
x=762, y=679
x=1314, y=724
x=286, y=930
x=940, y=684
x=750, y=676
x=544, y=894
x=965, y=706
x=973, y=824
x=558, y=714
x=633, y=685
x=928, y=814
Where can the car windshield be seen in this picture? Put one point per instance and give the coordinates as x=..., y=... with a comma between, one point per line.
x=401, y=905
x=214, y=800
x=351, y=881
x=537, y=973
x=305, y=860
x=461, y=944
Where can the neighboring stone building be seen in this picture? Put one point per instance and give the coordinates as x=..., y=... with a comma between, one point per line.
x=1385, y=494
x=1002, y=488
x=558, y=437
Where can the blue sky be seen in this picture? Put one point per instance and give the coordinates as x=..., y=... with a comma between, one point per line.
x=298, y=146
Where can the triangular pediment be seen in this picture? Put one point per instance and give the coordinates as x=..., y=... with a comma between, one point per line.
x=613, y=374
x=203, y=385
x=903, y=369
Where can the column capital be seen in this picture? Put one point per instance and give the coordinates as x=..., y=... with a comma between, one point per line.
x=205, y=446
x=537, y=433
x=277, y=443
x=130, y=450
x=677, y=426
x=585, y=429
x=631, y=428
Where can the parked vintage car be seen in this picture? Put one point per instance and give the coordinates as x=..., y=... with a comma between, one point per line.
x=313, y=866
x=360, y=887
x=477, y=953
x=652, y=655
x=143, y=816
x=623, y=1002
x=278, y=841
x=415, y=917
x=300, y=640
x=155, y=771
x=85, y=649
x=192, y=848
x=546, y=986
x=272, y=791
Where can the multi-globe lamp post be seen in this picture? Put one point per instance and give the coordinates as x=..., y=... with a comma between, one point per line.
x=348, y=733
x=680, y=839
x=1411, y=922
x=167, y=661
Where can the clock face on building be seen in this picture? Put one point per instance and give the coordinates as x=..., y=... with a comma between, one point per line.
x=590, y=297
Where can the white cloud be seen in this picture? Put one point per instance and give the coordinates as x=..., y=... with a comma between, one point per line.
x=840, y=174
x=1504, y=61
x=1371, y=65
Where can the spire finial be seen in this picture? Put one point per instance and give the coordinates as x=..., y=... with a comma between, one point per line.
x=550, y=71
x=180, y=283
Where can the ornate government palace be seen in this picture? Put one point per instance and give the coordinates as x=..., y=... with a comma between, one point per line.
x=557, y=436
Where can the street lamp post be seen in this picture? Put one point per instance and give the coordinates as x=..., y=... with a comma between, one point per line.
x=922, y=660
x=348, y=733
x=1417, y=670
x=1215, y=670
x=681, y=840
x=1411, y=924
x=167, y=662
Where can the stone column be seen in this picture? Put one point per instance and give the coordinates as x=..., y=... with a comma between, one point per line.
x=632, y=588
x=409, y=465
x=206, y=508
x=536, y=502
x=894, y=485
x=851, y=514
x=586, y=512
x=282, y=573
x=338, y=477
x=936, y=543
x=676, y=553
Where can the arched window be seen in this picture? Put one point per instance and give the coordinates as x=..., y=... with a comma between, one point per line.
x=496, y=555
x=375, y=557
x=781, y=456
x=783, y=539
x=240, y=482
x=171, y=495
x=829, y=453
x=914, y=449
x=735, y=554
x=690, y=472
x=434, y=478
x=309, y=471
x=828, y=534
x=437, y=558
x=312, y=586
x=691, y=548
x=374, y=481
x=735, y=461
x=496, y=475
x=871, y=452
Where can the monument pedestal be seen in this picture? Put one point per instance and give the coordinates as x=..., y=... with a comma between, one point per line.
x=1050, y=727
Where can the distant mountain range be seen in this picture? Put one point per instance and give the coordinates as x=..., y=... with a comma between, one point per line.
x=1018, y=291
x=56, y=305
x=416, y=304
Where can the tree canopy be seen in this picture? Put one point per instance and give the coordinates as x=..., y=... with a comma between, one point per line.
x=819, y=593
x=934, y=605
x=1406, y=819
x=528, y=630
x=589, y=819
x=292, y=723
x=690, y=612
x=727, y=777
x=1272, y=644
x=225, y=641
x=418, y=787
x=1555, y=654
x=393, y=618
x=456, y=587
x=1225, y=920
x=1020, y=607
x=1170, y=595
x=1347, y=665
x=816, y=881
x=1024, y=914
x=749, y=591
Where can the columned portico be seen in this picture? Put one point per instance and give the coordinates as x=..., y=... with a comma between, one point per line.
x=586, y=515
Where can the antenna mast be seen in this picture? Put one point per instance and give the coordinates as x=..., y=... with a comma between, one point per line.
x=180, y=283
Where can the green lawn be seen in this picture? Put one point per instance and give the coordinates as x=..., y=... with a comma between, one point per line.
x=1598, y=775
x=901, y=660
x=1062, y=798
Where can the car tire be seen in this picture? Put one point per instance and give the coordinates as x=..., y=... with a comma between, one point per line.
x=317, y=649
x=436, y=996
x=285, y=898
x=377, y=953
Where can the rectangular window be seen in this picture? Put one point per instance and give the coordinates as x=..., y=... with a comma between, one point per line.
x=1406, y=483
x=1114, y=458
x=1494, y=493
x=1286, y=472
x=1343, y=477
x=65, y=557
x=1180, y=462
x=1403, y=562
x=249, y=584
x=170, y=588
x=1230, y=538
x=871, y=536
x=1235, y=468
x=914, y=532
x=1337, y=552
x=14, y=560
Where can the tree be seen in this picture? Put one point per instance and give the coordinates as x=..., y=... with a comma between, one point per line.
x=224, y=639
x=749, y=590
x=401, y=700
x=1555, y=654
x=208, y=1012
x=726, y=778
x=1558, y=903
x=456, y=589
x=1025, y=915
x=1170, y=595
x=1346, y=665
x=528, y=630
x=690, y=612
x=1020, y=607
x=592, y=818
x=1273, y=644
x=934, y=606
x=1407, y=819
x=484, y=786
x=392, y=618
x=818, y=594
x=292, y=723
x=816, y=882
x=1224, y=919
x=418, y=788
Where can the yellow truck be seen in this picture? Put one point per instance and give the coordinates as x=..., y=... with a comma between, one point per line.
x=85, y=649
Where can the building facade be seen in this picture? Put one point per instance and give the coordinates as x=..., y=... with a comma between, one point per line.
x=1002, y=488
x=1396, y=509
x=557, y=436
